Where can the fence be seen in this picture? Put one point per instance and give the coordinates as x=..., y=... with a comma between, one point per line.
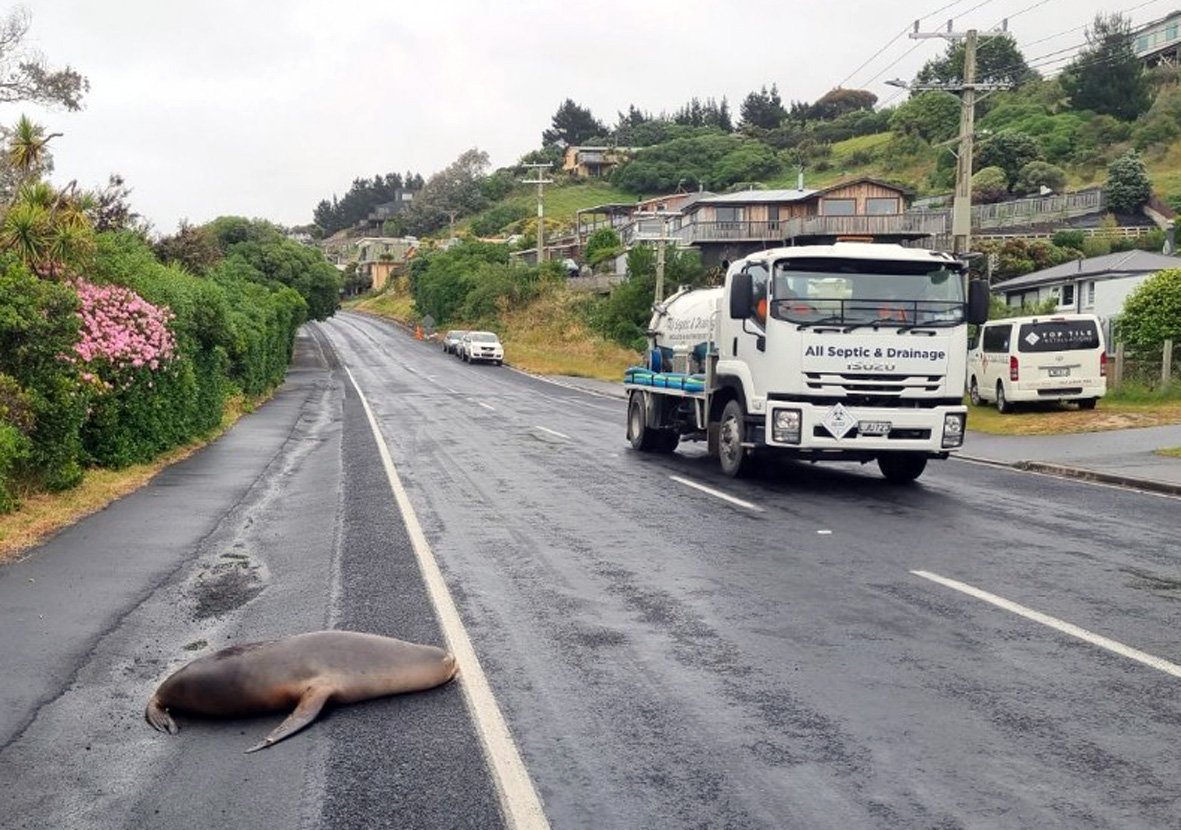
x=1155, y=369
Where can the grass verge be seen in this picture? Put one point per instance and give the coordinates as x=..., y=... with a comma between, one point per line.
x=43, y=514
x=1171, y=452
x=1051, y=419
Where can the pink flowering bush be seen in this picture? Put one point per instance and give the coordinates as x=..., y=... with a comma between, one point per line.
x=121, y=334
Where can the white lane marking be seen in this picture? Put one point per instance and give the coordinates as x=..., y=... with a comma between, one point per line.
x=1058, y=625
x=717, y=494
x=553, y=432
x=518, y=798
x=486, y=406
x=824, y=533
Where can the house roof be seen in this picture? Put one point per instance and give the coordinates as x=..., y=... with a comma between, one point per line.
x=1108, y=266
x=869, y=180
x=760, y=197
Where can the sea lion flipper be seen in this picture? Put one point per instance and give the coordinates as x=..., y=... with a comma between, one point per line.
x=159, y=718
x=306, y=711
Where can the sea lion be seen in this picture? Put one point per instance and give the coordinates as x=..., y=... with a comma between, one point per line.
x=305, y=671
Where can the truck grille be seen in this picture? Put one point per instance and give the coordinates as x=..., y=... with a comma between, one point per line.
x=852, y=384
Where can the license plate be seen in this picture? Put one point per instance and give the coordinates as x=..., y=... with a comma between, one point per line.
x=874, y=427
x=1059, y=371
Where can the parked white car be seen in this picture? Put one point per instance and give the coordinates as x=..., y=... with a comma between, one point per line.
x=1059, y=357
x=481, y=345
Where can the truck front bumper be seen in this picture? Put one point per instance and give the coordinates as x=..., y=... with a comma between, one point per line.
x=836, y=428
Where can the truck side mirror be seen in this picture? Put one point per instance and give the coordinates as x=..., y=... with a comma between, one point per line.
x=978, y=297
x=740, y=296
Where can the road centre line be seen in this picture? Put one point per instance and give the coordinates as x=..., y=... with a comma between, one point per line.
x=717, y=494
x=553, y=432
x=1099, y=640
x=519, y=800
x=486, y=406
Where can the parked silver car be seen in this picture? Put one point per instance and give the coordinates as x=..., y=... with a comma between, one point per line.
x=452, y=339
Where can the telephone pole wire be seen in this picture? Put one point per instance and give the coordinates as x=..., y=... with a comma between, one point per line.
x=541, y=182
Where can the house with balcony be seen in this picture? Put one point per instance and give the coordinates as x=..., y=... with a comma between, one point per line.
x=732, y=225
x=592, y=162
x=1159, y=42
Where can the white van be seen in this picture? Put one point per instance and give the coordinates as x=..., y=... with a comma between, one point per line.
x=1060, y=357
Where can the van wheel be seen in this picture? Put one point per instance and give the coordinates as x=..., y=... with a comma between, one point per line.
x=1002, y=403
x=732, y=455
x=1088, y=403
x=902, y=467
x=974, y=393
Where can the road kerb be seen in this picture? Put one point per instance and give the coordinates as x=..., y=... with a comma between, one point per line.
x=1149, y=485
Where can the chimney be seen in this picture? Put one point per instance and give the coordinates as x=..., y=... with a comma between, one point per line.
x=800, y=180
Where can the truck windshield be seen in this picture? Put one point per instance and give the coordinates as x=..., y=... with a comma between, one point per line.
x=867, y=292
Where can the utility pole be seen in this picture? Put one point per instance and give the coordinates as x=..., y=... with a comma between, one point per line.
x=661, y=239
x=961, y=210
x=541, y=182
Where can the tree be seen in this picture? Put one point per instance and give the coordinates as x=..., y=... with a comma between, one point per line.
x=24, y=75
x=110, y=207
x=572, y=125
x=1106, y=76
x=998, y=61
x=1152, y=312
x=931, y=116
x=1008, y=150
x=455, y=188
x=194, y=249
x=837, y=102
x=762, y=109
x=1128, y=186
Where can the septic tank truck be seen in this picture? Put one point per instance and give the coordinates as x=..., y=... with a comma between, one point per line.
x=846, y=352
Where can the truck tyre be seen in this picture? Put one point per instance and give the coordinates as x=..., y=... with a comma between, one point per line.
x=1002, y=403
x=667, y=440
x=902, y=467
x=641, y=437
x=713, y=433
x=974, y=393
x=732, y=455
x=1088, y=403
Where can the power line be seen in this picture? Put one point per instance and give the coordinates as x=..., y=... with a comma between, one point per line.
x=1028, y=8
x=894, y=40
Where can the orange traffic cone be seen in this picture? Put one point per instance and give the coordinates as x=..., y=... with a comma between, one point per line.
x=418, y=332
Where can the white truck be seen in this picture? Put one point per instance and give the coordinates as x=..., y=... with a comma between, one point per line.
x=853, y=351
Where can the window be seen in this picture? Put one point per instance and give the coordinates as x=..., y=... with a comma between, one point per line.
x=1171, y=32
x=996, y=338
x=882, y=206
x=727, y=214
x=1057, y=336
x=1090, y=293
x=772, y=217
x=838, y=207
x=1142, y=43
x=758, y=290
x=1067, y=295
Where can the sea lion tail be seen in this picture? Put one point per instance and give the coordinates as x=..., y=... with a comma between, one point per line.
x=159, y=718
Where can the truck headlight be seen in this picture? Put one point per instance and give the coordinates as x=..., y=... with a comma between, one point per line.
x=785, y=426
x=953, y=429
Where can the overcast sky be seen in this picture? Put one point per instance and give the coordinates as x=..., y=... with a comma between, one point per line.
x=262, y=108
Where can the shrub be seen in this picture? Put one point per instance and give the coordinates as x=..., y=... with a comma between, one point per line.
x=603, y=244
x=1038, y=174
x=989, y=185
x=1096, y=246
x=1069, y=239
x=1128, y=187
x=1152, y=312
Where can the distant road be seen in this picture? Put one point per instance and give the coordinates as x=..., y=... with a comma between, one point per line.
x=811, y=648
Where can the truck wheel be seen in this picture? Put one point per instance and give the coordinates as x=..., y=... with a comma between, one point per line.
x=974, y=393
x=713, y=434
x=1088, y=403
x=902, y=467
x=1002, y=403
x=641, y=437
x=667, y=440
x=732, y=455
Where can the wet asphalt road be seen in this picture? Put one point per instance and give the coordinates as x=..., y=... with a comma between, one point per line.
x=663, y=658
